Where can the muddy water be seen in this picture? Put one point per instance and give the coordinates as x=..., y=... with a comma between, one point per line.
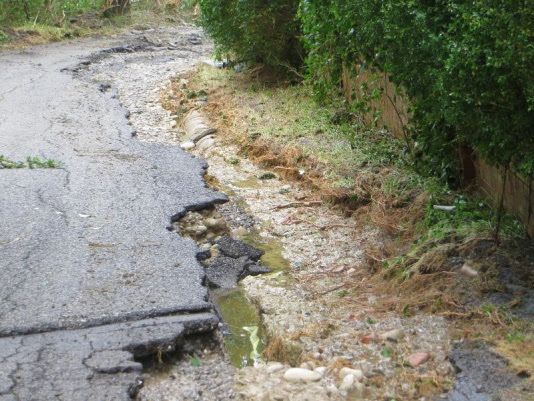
x=240, y=319
x=244, y=337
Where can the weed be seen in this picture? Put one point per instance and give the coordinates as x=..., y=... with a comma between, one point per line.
x=516, y=336
x=487, y=308
x=196, y=361
x=31, y=163
x=267, y=176
x=386, y=352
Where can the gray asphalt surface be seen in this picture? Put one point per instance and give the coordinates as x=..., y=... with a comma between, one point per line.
x=87, y=245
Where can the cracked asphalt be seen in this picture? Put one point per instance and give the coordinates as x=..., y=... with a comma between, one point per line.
x=91, y=276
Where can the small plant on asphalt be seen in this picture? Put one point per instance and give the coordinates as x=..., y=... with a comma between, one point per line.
x=31, y=163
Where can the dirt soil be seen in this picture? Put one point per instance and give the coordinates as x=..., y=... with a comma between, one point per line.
x=466, y=305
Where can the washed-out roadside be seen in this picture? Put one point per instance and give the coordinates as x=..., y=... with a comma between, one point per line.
x=358, y=346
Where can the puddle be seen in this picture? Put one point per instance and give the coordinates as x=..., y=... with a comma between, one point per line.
x=237, y=311
x=238, y=315
x=482, y=374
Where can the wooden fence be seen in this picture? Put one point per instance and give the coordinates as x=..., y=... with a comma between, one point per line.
x=394, y=115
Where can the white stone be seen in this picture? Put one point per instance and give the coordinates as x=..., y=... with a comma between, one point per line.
x=468, y=270
x=356, y=373
x=274, y=367
x=348, y=383
x=393, y=335
x=301, y=375
x=321, y=370
x=187, y=145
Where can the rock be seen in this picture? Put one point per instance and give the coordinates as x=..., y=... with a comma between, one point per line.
x=348, y=383
x=321, y=370
x=339, y=269
x=358, y=374
x=203, y=133
x=254, y=269
x=370, y=338
x=187, y=145
x=274, y=367
x=194, y=122
x=304, y=365
x=301, y=375
x=235, y=249
x=468, y=270
x=224, y=272
x=393, y=335
x=212, y=223
x=418, y=359
x=198, y=230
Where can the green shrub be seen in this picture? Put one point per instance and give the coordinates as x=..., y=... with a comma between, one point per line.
x=254, y=30
x=466, y=66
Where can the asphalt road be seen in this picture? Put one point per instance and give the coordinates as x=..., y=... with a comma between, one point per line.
x=90, y=274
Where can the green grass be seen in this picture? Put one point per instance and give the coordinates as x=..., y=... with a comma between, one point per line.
x=30, y=162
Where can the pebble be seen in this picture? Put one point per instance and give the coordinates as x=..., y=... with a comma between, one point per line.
x=468, y=270
x=187, y=145
x=356, y=373
x=301, y=375
x=418, y=359
x=370, y=338
x=395, y=335
x=274, y=367
x=347, y=383
x=321, y=370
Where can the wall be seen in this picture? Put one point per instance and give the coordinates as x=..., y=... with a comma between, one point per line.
x=517, y=193
x=394, y=108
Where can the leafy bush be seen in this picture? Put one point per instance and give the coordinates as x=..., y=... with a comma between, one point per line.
x=466, y=66
x=254, y=30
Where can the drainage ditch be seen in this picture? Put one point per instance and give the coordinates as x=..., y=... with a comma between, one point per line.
x=232, y=248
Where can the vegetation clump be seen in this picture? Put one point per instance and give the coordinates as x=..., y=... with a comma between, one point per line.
x=30, y=162
x=257, y=31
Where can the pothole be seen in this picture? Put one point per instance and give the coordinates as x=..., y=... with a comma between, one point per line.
x=228, y=260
